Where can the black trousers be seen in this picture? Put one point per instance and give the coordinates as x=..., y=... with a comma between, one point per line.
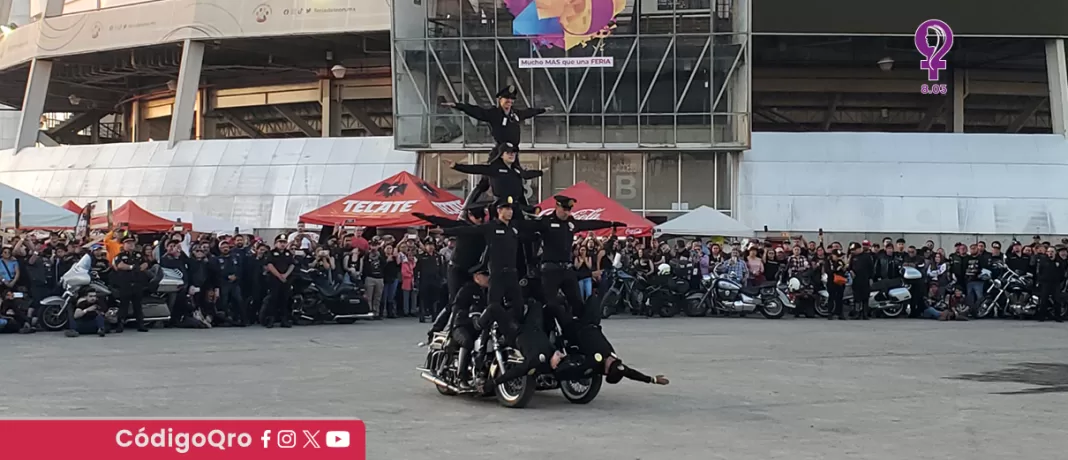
x=861, y=296
x=1047, y=301
x=504, y=290
x=428, y=299
x=130, y=296
x=231, y=301
x=559, y=278
x=456, y=278
x=278, y=308
x=837, y=305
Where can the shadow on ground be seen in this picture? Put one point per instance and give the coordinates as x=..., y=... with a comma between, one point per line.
x=1048, y=377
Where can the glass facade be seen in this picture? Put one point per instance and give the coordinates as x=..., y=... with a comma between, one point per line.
x=661, y=184
x=659, y=74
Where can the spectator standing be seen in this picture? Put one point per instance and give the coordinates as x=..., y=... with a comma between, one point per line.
x=584, y=272
x=430, y=271
x=391, y=278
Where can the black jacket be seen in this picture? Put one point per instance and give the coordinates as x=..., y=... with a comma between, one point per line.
x=505, y=127
x=504, y=179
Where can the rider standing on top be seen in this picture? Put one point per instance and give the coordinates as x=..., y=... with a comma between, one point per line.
x=504, y=122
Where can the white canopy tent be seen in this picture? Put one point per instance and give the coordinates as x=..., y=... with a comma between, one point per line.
x=34, y=212
x=204, y=224
x=704, y=221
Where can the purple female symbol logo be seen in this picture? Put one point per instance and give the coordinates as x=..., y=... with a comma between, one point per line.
x=935, y=55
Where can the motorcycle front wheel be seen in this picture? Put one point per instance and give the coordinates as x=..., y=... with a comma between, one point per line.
x=772, y=309
x=53, y=318
x=516, y=393
x=822, y=305
x=894, y=311
x=581, y=391
x=608, y=303
x=669, y=308
x=696, y=308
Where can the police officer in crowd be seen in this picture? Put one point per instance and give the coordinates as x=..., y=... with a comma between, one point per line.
x=280, y=264
x=429, y=269
x=557, y=232
x=1050, y=268
x=228, y=268
x=129, y=281
x=505, y=122
x=253, y=287
x=862, y=265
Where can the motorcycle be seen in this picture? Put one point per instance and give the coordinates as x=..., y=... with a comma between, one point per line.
x=491, y=358
x=665, y=295
x=724, y=295
x=626, y=293
x=889, y=296
x=798, y=290
x=317, y=298
x=163, y=283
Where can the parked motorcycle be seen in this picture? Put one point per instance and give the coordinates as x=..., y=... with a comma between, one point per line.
x=666, y=293
x=318, y=298
x=889, y=296
x=725, y=296
x=794, y=292
x=163, y=283
x=626, y=293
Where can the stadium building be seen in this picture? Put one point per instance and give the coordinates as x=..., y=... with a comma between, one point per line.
x=787, y=116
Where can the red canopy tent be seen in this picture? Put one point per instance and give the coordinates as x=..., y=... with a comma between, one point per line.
x=389, y=203
x=136, y=219
x=592, y=204
x=71, y=206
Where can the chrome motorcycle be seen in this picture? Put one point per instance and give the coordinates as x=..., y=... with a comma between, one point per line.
x=724, y=295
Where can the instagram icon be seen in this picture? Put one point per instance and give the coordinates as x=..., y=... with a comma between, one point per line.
x=287, y=439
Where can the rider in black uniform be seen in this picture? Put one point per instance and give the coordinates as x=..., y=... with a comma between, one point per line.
x=471, y=299
x=504, y=122
x=557, y=232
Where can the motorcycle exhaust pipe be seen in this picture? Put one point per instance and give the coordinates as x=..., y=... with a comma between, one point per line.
x=438, y=382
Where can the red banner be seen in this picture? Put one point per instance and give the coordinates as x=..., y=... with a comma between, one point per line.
x=159, y=439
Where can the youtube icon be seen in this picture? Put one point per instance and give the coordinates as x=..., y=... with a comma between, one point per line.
x=337, y=439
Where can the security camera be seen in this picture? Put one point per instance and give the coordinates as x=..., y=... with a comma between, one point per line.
x=886, y=64
x=172, y=84
x=74, y=99
x=338, y=71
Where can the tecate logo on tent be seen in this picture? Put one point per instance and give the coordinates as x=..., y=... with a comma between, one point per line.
x=450, y=207
x=378, y=207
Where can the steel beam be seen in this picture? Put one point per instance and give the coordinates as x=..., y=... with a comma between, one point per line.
x=1025, y=115
x=185, y=98
x=44, y=139
x=33, y=104
x=76, y=123
x=360, y=114
x=297, y=121
x=1057, y=75
x=240, y=124
x=831, y=108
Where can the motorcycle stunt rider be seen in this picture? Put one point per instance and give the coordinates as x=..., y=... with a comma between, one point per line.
x=506, y=305
x=504, y=122
x=469, y=247
x=470, y=300
x=557, y=232
x=129, y=280
x=506, y=177
x=597, y=357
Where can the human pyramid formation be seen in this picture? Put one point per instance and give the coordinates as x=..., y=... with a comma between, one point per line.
x=497, y=247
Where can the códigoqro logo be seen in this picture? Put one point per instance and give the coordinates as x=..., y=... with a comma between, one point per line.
x=262, y=439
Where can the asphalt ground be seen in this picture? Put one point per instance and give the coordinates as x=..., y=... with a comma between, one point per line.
x=740, y=389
